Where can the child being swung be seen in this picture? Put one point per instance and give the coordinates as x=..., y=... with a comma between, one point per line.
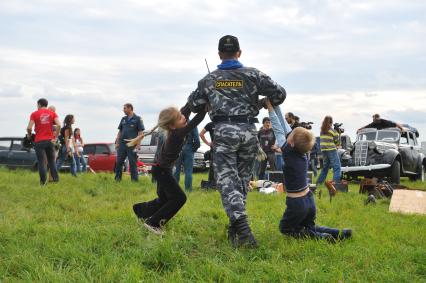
x=299, y=217
x=171, y=197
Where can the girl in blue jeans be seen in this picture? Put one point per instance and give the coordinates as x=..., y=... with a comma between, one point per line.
x=329, y=141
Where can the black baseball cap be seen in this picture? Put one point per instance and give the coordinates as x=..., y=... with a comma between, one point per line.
x=229, y=43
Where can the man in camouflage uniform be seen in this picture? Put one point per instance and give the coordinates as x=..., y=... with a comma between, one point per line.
x=232, y=93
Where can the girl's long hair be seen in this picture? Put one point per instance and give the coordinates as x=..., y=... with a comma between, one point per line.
x=167, y=117
x=68, y=122
x=325, y=127
x=75, y=133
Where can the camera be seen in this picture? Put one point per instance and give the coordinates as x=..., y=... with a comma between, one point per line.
x=338, y=128
x=306, y=125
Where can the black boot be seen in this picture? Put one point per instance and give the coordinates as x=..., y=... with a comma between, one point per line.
x=244, y=236
x=345, y=234
x=232, y=234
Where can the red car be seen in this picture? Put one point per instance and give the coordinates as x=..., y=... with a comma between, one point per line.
x=101, y=156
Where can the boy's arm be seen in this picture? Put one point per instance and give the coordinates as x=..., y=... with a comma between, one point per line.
x=279, y=131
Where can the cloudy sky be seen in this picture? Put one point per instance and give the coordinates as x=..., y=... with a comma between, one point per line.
x=349, y=59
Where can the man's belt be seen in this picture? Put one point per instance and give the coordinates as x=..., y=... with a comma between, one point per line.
x=235, y=119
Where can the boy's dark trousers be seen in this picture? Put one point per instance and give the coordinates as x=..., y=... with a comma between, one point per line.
x=299, y=219
x=45, y=153
x=170, y=199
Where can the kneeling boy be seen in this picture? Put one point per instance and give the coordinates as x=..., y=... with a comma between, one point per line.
x=299, y=217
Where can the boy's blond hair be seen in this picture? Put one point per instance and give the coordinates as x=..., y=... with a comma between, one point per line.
x=303, y=140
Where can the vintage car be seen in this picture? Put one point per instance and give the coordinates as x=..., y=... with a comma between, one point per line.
x=387, y=153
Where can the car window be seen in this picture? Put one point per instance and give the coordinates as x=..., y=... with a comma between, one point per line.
x=5, y=145
x=404, y=139
x=89, y=149
x=101, y=149
x=112, y=148
x=146, y=141
x=411, y=139
x=16, y=145
x=389, y=136
x=415, y=139
x=371, y=136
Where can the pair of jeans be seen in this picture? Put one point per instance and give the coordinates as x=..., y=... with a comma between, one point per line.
x=123, y=152
x=313, y=164
x=279, y=162
x=80, y=163
x=186, y=159
x=170, y=199
x=62, y=156
x=45, y=153
x=330, y=160
x=262, y=167
x=299, y=219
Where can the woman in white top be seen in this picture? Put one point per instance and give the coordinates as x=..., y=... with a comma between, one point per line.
x=78, y=152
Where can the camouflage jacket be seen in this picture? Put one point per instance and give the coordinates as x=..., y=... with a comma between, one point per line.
x=235, y=92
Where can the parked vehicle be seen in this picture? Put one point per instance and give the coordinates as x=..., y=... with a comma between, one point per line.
x=14, y=155
x=387, y=153
x=149, y=146
x=101, y=156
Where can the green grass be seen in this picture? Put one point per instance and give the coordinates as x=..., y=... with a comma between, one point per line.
x=83, y=229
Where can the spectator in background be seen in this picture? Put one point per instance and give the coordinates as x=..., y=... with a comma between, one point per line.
x=209, y=128
x=267, y=140
x=329, y=141
x=279, y=161
x=66, y=152
x=79, y=149
x=57, y=144
x=313, y=159
x=43, y=121
x=291, y=120
x=186, y=158
x=130, y=127
x=380, y=124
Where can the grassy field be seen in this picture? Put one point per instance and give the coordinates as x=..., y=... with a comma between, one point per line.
x=83, y=229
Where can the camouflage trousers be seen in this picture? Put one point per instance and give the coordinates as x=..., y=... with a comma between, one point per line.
x=235, y=150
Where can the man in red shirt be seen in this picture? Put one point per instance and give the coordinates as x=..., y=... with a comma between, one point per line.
x=43, y=121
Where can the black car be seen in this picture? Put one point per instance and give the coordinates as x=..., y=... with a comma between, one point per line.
x=387, y=153
x=14, y=155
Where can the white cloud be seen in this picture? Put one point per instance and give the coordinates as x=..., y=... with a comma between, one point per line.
x=346, y=58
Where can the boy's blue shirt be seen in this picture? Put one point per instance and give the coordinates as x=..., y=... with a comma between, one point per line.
x=295, y=169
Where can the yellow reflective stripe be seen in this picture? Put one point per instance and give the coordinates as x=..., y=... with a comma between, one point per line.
x=328, y=149
x=333, y=133
x=327, y=144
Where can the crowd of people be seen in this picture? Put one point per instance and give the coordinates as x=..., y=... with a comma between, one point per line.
x=231, y=96
x=54, y=144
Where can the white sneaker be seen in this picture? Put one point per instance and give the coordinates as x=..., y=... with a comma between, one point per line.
x=153, y=229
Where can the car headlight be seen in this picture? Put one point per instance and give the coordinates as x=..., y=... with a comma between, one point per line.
x=372, y=145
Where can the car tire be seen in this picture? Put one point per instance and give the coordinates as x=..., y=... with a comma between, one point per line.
x=395, y=172
x=420, y=176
